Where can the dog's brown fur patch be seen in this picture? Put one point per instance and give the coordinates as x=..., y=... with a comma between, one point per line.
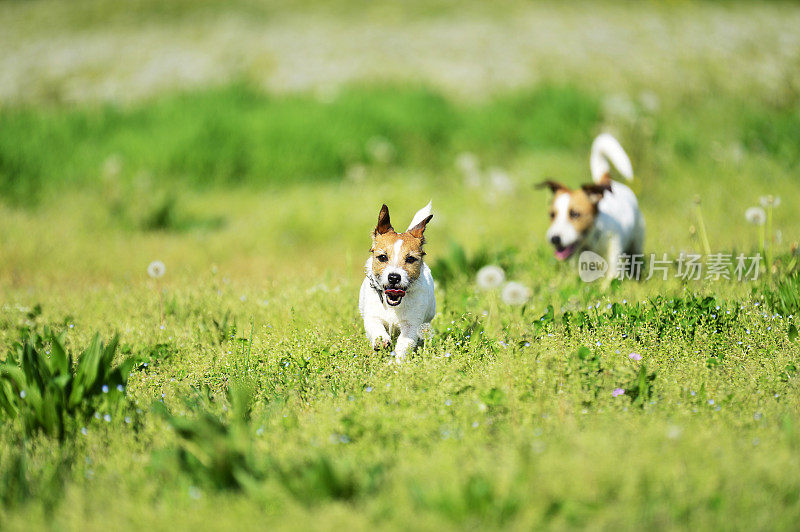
x=582, y=211
x=384, y=243
x=582, y=203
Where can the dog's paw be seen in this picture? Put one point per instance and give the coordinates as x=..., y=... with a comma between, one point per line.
x=396, y=358
x=381, y=344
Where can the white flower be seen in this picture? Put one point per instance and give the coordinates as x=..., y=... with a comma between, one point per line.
x=467, y=162
x=650, y=101
x=469, y=166
x=500, y=181
x=357, y=173
x=515, y=293
x=755, y=215
x=156, y=269
x=766, y=201
x=619, y=106
x=112, y=166
x=380, y=149
x=490, y=277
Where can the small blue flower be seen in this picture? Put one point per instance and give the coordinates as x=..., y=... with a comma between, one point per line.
x=120, y=388
x=84, y=431
x=105, y=388
x=107, y=418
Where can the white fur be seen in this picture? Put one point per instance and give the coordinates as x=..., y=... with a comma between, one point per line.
x=416, y=310
x=420, y=215
x=560, y=226
x=606, y=148
x=619, y=226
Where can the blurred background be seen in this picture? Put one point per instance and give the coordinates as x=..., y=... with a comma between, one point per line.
x=255, y=135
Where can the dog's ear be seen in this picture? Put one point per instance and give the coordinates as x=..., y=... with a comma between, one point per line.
x=595, y=192
x=419, y=229
x=554, y=186
x=384, y=224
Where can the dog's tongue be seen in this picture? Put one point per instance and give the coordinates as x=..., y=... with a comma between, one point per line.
x=564, y=253
x=396, y=292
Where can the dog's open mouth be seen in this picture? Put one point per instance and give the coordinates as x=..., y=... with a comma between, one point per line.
x=394, y=296
x=564, y=252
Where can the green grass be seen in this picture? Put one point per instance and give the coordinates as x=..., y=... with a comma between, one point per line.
x=259, y=404
x=237, y=135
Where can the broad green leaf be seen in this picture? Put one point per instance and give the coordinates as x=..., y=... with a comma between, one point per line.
x=792, y=332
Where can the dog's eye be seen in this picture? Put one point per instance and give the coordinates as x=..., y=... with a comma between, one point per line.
x=383, y=257
x=552, y=214
x=411, y=260
x=574, y=214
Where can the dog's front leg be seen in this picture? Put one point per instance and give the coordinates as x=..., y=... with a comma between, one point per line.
x=613, y=254
x=407, y=341
x=376, y=333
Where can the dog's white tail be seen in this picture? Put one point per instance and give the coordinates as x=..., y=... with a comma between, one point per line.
x=605, y=149
x=421, y=215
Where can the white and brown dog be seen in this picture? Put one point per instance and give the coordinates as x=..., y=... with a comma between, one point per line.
x=396, y=297
x=603, y=216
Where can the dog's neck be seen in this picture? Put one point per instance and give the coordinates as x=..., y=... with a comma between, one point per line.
x=375, y=285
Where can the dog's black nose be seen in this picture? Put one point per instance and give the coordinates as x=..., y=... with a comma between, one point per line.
x=394, y=278
x=555, y=240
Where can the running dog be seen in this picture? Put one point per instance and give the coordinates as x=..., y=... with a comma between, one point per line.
x=602, y=216
x=396, y=297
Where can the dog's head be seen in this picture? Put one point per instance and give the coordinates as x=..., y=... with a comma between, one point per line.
x=396, y=257
x=572, y=215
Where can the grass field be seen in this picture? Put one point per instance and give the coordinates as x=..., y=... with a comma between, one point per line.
x=246, y=394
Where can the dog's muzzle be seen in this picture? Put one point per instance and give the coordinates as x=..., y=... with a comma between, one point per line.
x=562, y=252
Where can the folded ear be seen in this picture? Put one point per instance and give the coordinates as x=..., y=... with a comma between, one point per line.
x=554, y=186
x=595, y=192
x=384, y=224
x=419, y=229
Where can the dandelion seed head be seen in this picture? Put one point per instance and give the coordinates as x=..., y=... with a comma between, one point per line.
x=515, y=293
x=490, y=277
x=156, y=269
x=755, y=215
